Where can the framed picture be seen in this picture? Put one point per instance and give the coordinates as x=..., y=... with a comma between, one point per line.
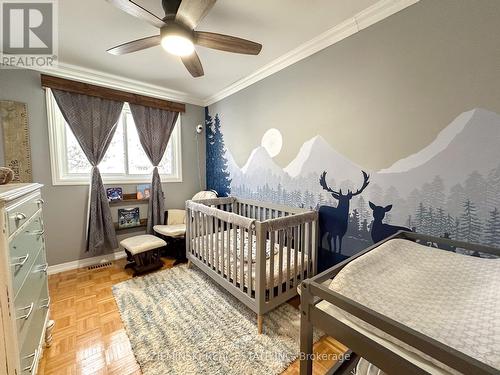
x=114, y=194
x=143, y=191
x=128, y=217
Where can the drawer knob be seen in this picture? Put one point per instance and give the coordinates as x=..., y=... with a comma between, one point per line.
x=40, y=201
x=39, y=232
x=21, y=261
x=18, y=216
x=44, y=268
x=28, y=314
x=33, y=355
x=46, y=305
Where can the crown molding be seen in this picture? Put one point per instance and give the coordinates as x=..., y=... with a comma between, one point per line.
x=360, y=21
x=95, y=77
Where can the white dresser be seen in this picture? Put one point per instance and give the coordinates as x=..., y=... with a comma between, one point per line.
x=24, y=295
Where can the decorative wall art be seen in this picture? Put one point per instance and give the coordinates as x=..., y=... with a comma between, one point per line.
x=451, y=188
x=16, y=140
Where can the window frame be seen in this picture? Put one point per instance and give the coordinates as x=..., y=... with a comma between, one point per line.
x=58, y=156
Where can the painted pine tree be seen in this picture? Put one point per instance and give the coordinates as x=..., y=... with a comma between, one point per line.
x=420, y=218
x=456, y=230
x=450, y=226
x=354, y=222
x=429, y=219
x=218, y=176
x=492, y=230
x=364, y=213
x=440, y=222
x=470, y=224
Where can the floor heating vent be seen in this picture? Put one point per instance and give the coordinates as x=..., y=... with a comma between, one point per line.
x=100, y=265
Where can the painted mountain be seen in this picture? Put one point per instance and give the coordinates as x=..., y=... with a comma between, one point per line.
x=469, y=144
x=449, y=188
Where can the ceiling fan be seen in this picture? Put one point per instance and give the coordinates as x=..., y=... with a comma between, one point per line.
x=177, y=35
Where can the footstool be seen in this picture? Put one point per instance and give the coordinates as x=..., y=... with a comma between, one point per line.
x=143, y=252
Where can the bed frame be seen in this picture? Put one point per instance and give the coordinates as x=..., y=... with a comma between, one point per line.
x=292, y=230
x=316, y=289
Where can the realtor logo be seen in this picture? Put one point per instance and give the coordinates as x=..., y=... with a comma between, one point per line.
x=28, y=33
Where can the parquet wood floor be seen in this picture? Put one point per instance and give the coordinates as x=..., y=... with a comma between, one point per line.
x=89, y=337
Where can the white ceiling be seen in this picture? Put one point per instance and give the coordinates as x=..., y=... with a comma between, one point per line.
x=87, y=28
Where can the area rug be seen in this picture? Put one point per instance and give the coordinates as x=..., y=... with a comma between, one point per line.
x=181, y=322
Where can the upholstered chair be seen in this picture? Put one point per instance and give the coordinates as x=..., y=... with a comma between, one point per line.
x=174, y=229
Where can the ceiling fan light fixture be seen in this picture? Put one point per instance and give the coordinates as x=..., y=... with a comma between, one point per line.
x=177, y=39
x=177, y=45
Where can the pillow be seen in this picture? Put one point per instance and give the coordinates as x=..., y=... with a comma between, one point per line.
x=176, y=216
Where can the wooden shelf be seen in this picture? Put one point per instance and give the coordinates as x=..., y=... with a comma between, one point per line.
x=125, y=202
x=143, y=224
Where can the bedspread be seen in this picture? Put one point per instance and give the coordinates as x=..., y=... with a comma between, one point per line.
x=452, y=298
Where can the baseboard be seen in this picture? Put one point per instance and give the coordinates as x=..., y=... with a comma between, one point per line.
x=68, y=266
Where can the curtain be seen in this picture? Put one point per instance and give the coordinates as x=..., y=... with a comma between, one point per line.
x=154, y=127
x=93, y=121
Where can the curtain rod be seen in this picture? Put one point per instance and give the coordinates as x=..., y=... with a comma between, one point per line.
x=109, y=93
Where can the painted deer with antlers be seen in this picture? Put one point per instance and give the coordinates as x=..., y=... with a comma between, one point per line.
x=333, y=221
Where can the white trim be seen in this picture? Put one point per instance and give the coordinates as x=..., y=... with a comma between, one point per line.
x=113, y=81
x=367, y=17
x=68, y=266
x=58, y=157
x=360, y=21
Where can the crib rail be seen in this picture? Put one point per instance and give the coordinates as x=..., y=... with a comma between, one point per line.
x=295, y=237
x=263, y=210
x=228, y=238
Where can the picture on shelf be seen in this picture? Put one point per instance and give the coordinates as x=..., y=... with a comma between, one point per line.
x=128, y=217
x=114, y=194
x=143, y=191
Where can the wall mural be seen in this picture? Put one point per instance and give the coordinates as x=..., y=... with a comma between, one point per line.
x=451, y=188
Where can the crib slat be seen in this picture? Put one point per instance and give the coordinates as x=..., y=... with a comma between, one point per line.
x=296, y=242
x=314, y=246
x=271, y=264
x=289, y=235
x=197, y=227
x=194, y=229
x=210, y=239
x=249, y=262
x=212, y=235
x=302, y=250
x=222, y=248
x=205, y=238
x=228, y=253
x=242, y=258
x=235, y=255
x=280, y=261
x=309, y=249
x=215, y=264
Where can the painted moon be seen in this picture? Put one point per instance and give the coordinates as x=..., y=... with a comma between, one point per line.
x=272, y=141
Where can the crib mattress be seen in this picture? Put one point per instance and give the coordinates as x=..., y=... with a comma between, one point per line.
x=294, y=270
x=452, y=298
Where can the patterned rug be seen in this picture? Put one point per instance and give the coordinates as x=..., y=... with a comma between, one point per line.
x=181, y=322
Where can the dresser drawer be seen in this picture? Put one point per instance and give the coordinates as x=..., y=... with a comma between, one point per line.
x=24, y=248
x=27, y=300
x=22, y=210
x=30, y=345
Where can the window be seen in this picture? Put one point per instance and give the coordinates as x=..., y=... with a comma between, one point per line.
x=125, y=160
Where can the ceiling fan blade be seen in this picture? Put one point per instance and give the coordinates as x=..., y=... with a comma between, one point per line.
x=193, y=64
x=135, y=45
x=226, y=43
x=191, y=12
x=128, y=6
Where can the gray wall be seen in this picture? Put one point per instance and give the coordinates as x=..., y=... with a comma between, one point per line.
x=65, y=208
x=381, y=94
